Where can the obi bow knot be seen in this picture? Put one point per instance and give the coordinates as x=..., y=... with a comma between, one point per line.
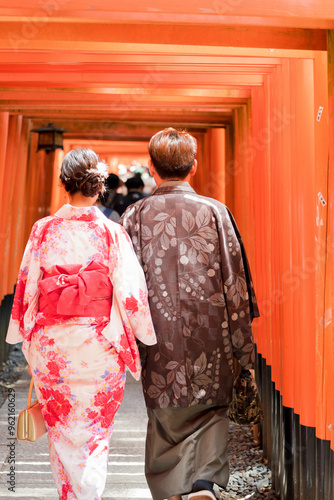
x=72, y=290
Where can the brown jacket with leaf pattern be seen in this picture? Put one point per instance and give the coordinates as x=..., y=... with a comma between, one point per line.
x=201, y=296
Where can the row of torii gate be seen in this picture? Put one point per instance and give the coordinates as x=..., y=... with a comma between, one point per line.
x=254, y=82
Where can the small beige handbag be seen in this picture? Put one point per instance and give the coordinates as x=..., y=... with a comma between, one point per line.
x=30, y=422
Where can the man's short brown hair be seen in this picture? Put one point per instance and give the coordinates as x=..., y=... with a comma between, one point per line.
x=172, y=153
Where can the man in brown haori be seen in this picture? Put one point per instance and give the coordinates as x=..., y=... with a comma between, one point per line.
x=202, y=303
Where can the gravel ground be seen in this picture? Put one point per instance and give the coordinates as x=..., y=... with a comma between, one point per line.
x=250, y=477
x=11, y=371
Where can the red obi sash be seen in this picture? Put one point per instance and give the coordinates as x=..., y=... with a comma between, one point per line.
x=73, y=290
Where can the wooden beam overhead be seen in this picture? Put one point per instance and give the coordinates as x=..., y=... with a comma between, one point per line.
x=96, y=60
x=18, y=35
x=289, y=13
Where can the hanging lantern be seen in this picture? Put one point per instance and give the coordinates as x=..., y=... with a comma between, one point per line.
x=50, y=138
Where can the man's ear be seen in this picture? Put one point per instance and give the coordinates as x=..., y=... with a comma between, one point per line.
x=193, y=168
x=151, y=167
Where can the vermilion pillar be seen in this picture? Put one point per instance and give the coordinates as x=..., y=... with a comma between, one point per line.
x=305, y=196
x=11, y=180
x=58, y=195
x=210, y=177
x=229, y=166
x=329, y=337
x=261, y=177
x=17, y=242
x=4, y=120
x=46, y=174
x=32, y=198
x=322, y=291
x=215, y=187
x=4, y=123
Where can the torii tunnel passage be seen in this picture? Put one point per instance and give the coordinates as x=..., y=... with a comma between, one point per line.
x=254, y=83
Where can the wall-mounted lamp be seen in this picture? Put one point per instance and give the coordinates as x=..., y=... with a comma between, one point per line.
x=50, y=138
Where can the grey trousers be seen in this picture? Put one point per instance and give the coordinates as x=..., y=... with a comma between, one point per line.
x=184, y=445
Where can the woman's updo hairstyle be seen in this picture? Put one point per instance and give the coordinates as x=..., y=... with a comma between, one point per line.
x=82, y=171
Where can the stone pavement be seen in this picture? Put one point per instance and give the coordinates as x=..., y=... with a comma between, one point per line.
x=33, y=478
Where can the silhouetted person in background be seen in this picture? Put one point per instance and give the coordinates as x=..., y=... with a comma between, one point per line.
x=112, y=199
x=110, y=213
x=135, y=186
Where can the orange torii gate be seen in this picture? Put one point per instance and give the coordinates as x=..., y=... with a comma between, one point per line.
x=254, y=82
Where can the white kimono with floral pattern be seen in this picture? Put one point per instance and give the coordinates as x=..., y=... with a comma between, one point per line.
x=78, y=363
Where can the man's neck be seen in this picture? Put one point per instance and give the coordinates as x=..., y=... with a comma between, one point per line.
x=158, y=180
x=172, y=182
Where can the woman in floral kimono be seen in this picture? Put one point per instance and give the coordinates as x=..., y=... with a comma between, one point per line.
x=80, y=301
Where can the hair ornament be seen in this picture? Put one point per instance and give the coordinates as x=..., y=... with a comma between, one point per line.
x=102, y=169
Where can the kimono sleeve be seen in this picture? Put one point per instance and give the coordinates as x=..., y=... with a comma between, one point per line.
x=241, y=306
x=130, y=313
x=130, y=221
x=25, y=304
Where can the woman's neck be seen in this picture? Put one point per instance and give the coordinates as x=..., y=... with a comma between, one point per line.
x=79, y=200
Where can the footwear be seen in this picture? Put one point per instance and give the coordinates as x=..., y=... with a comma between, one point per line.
x=202, y=495
x=202, y=484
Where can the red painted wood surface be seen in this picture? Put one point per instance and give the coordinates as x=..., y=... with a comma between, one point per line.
x=316, y=13
x=247, y=80
x=328, y=350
